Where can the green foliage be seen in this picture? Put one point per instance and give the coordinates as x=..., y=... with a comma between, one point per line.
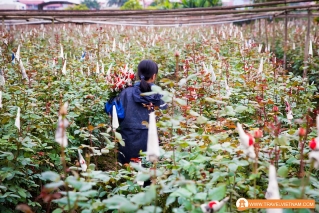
x=132, y=5
x=200, y=3
x=201, y=159
x=118, y=3
x=77, y=7
x=92, y=4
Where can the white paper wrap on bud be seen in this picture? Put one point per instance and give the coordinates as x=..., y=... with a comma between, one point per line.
x=82, y=162
x=61, y=52
x=114, y=45
x=140, y=183
x=60, y=134
x=97, y=68
x=228, y=90
x=213, y=73
x=115, y=120
x=0, y=99
x=109, y=71
x=260, y=48
x=102, y=69
x=205, y=68
x=2, y=80
x=261, y=66
x=314, y=156
x=17, y=121
x=17, y=56
x=310, y=48
x=273, y=189
x=64, y=68
x=244, y=142
x=153, y=151
x=289, y=116
x=24, y=74
x=213, y=206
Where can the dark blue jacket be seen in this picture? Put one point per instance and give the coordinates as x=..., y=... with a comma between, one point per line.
x=135, y=112
x=133, y=132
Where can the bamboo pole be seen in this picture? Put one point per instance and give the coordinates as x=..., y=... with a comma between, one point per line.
x=114, y=13
x=306, y=53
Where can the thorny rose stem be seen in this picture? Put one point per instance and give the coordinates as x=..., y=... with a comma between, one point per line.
x=64, y=165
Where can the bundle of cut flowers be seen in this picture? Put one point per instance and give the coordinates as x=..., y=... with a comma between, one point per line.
x=119, y=80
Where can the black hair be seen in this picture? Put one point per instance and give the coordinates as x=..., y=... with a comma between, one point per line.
x=145, y=70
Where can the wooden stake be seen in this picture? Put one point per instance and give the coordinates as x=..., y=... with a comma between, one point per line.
x=273, y=34
x=259, y=26
x=53, y=27
x=266, y=33
x=285, y=43
x=306, y=53
x=3, y=27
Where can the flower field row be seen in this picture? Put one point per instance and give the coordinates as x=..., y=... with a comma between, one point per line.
x=233, y=111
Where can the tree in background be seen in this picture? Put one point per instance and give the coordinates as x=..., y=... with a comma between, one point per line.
x=77, y=7
x=167, y=4
x=200, y=3
x=132, y=5
x=92, y=4
x=118, y=3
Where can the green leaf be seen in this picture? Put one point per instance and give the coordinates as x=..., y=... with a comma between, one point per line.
x=181, y=192
x=150, y=194
x=288, y=211
x=58, y=210
x=241, y=109
x=201, y=120
x=232, y=167
x=121, y=203
x=118, y=136
x=303, y=211
x=283, y=171
x=151, y=209
x=22, y=193
x=181, y=102
x=282, y=141
x=156, y=89
x=217, y=193
x=243, y=163
x=200, y=159
x=215, y=101
x=139, y=198
x=143, y=177
x=182, y=82
x=201, y=196
x=170, y=200
x=230, y=111
x=193, y=113
x=52, y=176
x=54, y=185
x=192, y=188
x=192, y=76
